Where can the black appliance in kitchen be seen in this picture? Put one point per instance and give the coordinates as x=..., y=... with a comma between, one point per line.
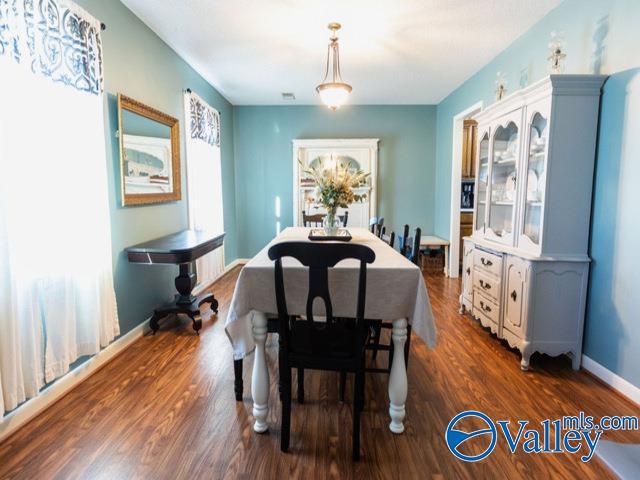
x=466, y=201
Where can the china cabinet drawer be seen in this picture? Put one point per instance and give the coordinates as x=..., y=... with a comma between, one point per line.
x=488, y=262
x=488, y=285
x=485, y=307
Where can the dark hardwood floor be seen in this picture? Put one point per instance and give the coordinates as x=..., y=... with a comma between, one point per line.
x=165, y=408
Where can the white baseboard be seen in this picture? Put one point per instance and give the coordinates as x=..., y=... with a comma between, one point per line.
x=32, y=407
x=235, y=263
x=614, y=380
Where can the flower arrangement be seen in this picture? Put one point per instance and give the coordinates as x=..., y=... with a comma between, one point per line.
x=334, y=187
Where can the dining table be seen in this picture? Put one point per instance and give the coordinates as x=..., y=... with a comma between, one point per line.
x=395, y=291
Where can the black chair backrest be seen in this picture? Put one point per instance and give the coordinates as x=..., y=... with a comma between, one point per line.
x=390, y=239
x=319, y=257
x=415, y=251
x=404, y=240
x=375, y=225
x=344, y=218
x=312, y=220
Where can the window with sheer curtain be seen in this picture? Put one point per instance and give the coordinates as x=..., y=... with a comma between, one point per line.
x=57, y=301
x=204, y=180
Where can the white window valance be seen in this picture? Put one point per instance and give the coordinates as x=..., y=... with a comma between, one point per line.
x=56, y=39
x=204, y=121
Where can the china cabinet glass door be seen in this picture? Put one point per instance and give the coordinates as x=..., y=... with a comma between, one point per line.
x=503, y=178
x=534, y=178
x=482, y=179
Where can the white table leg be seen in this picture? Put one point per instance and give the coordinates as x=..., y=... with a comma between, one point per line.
x=398, y=377
x=446, y=260
x=260, y=374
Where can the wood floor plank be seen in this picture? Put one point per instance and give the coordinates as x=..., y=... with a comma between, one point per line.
x=165, y=408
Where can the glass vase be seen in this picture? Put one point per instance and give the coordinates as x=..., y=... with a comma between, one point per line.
x=331, y=223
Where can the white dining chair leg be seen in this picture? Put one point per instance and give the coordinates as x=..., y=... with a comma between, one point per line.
x=398, y=377
x=260, y=374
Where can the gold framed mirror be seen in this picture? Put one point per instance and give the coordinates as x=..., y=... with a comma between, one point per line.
x=149, y=154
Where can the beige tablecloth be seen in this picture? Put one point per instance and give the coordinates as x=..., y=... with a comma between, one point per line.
x=395, y=289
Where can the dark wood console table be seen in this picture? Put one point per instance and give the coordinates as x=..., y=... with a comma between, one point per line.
x=181, y=248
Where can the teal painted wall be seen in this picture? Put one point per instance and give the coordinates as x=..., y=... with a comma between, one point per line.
x=139, y=64
x=263, y=156
x=609, y=28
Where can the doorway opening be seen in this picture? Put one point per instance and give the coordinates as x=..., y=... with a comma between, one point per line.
x=463, y=163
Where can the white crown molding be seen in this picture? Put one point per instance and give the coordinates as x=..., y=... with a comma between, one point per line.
x=558, y=85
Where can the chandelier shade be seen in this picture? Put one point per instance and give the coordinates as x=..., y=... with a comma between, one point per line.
x=333, y=91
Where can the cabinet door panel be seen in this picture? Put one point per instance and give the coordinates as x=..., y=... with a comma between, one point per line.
x=482, y=177
x=534, y=176
x=506, y=135
x=515, y=291
x=467, y=270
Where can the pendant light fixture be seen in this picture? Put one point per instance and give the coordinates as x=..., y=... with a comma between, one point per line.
x=333, y=91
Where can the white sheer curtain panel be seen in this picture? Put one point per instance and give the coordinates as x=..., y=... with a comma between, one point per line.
x=204, y=179
x=57, y=301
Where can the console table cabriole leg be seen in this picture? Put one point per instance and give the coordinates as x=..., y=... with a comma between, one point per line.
x=398, y=378
x=260, y=374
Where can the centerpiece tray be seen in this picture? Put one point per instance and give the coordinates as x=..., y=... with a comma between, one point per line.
x=319, y=235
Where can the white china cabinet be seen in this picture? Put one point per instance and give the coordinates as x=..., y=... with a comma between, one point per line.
x=526, y=266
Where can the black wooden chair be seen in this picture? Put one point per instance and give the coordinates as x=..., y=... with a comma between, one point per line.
x=414, y=254
x=403, y=241
x=272, y=323
x=375, y=225
x=336, y=344
x=314, y=220
x=344, y=218
x=376, y=326
x=390, y=239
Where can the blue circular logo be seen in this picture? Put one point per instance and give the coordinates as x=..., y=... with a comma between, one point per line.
x=455, y=437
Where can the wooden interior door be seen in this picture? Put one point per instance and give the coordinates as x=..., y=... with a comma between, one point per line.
x=469, y=139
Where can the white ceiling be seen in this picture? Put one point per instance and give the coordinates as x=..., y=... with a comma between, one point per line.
x=391, y=51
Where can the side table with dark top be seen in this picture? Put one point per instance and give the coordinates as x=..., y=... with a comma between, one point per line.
x=181, y=248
